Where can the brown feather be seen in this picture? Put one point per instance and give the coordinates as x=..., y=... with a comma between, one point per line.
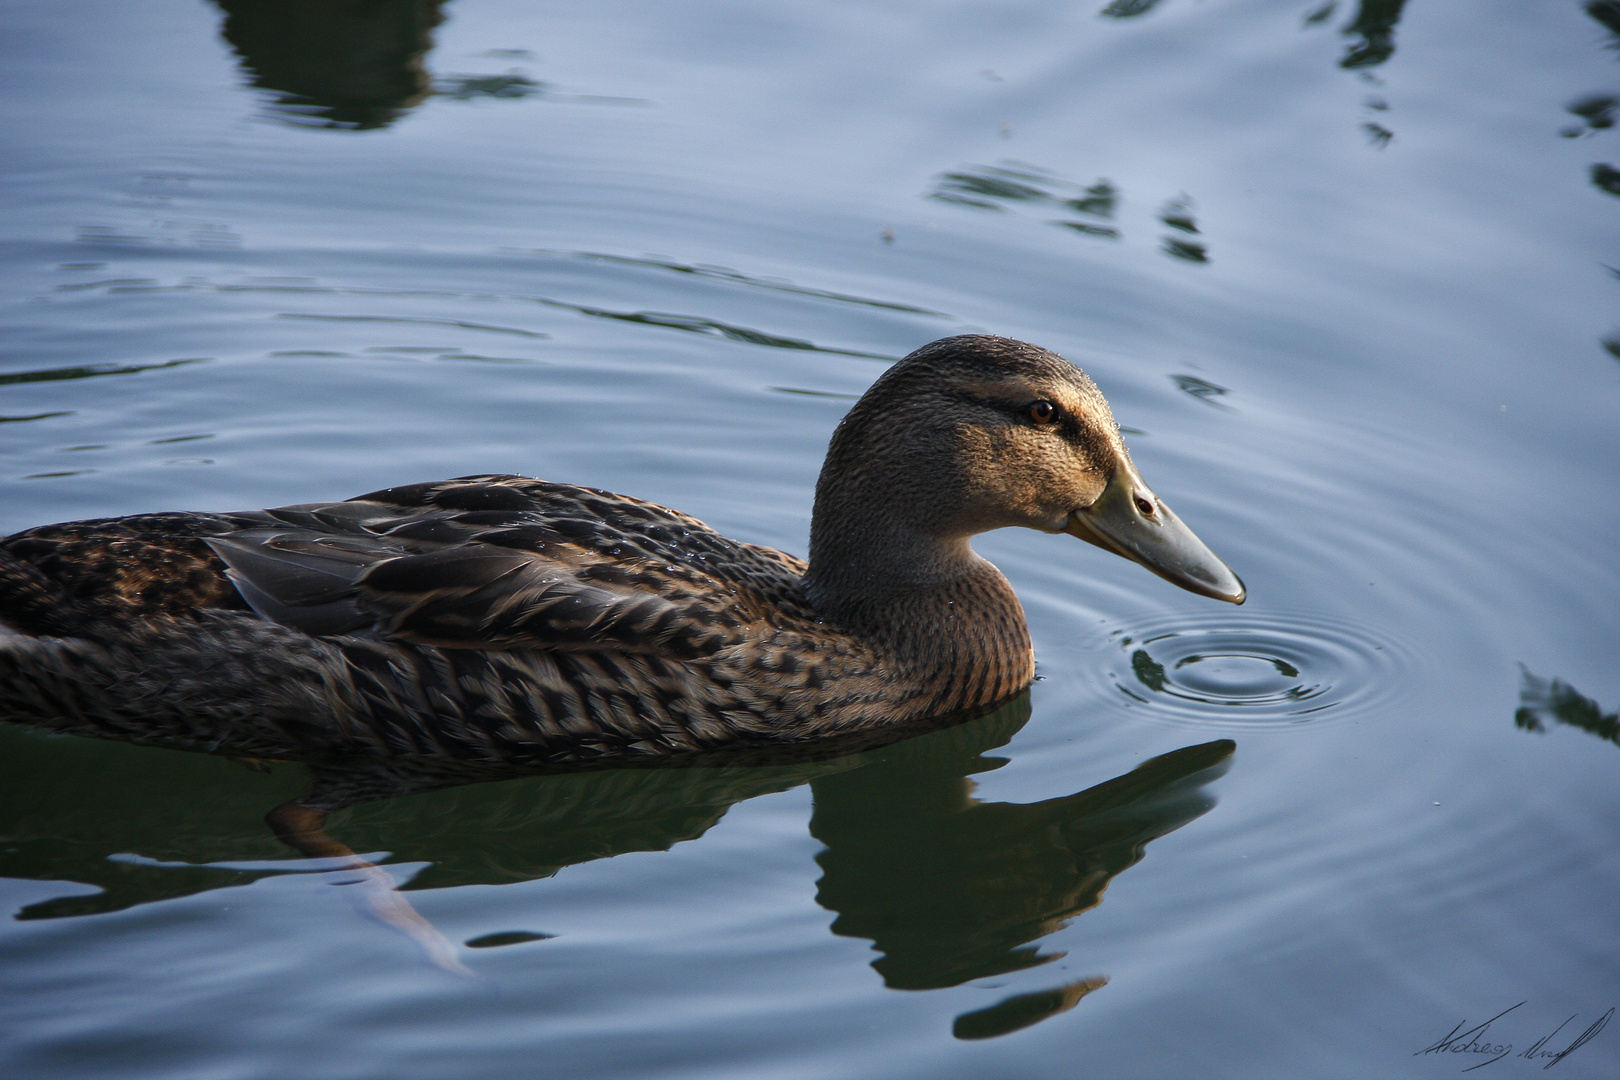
x=507, y=619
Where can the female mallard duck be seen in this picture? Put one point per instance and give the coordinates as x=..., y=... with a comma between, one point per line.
x=504, y=619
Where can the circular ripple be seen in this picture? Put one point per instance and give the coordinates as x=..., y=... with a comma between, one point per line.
x=1276, y=669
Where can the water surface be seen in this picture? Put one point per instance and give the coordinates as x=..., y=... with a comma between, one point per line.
x=1344, y=272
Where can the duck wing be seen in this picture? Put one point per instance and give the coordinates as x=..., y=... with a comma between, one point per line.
x=492, y=562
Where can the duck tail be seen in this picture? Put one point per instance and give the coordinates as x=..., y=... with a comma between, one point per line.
x=34, y=605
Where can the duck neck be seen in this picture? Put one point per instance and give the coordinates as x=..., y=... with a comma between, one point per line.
x=926, y=602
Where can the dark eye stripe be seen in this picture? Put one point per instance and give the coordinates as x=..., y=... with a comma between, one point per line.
x=1058, y=420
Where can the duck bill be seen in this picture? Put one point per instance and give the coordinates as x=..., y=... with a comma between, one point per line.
x=1156, y=539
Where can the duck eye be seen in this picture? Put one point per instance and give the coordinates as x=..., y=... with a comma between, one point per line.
x=1042, y=412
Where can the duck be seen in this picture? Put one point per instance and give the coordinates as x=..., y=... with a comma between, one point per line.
x=502, y=619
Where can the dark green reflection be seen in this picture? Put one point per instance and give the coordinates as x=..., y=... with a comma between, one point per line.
x=1014, y=183
x=33, y=416
x=1544, y=701
x=1607, y=12
x=67, y=805
x=695, y=324
x=354, y=65
x=1374, y=29
x=1595, y=111
x=145, y=824
x=507, y=937
x=1148, y=670
x=1202, y=389
x=86, y=371
x=1178, y=215
x=1322, y=14
x=726, y=274
x=1099, y=200
x=950, y=889
x=991, y=185
x=1128, y=9
x=512, y=85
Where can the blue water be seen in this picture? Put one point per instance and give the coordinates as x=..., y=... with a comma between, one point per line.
x=657, y=249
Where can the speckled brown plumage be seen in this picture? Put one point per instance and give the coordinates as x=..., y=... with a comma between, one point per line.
x=506, y=619
x=147, y=564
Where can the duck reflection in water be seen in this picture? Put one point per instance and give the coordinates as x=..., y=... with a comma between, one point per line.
x=950, y=889
x=947, y=888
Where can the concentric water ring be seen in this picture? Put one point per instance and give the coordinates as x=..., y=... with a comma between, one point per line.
x=1275, y=669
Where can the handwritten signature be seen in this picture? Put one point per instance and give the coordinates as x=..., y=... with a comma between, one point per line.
x=1477, y=1040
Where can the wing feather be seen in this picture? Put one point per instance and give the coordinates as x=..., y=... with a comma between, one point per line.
x=503, y=562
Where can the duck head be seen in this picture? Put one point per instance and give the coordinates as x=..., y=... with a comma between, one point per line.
x=974, y=433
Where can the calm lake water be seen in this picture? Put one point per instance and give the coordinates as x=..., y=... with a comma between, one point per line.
x=1347, y=274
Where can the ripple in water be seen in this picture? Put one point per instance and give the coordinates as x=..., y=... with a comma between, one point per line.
x=1283, y=670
